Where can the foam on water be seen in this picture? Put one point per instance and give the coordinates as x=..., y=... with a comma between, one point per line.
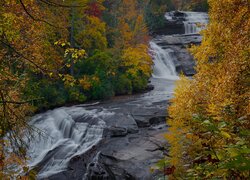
x=59, y=138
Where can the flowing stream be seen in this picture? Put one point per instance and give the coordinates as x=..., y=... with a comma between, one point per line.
x=69, y=132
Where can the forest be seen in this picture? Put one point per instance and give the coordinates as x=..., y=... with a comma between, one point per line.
x=56, y=53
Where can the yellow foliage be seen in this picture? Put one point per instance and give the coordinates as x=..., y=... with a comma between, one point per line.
x=137, y=60
x=93, y=34
x=209, y=115
x=85, y=83
x=69, y=81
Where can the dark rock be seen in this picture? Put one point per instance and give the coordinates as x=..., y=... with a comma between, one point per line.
x=178, y=14
x=142, y=121
x=150, y=87
x=173, y=24
x=117, y=172
x=117, y=131
x=103, y=168
x=122, y=121
x=157, y=120
x=170, y=28
x=131, y=157
x=97, y=172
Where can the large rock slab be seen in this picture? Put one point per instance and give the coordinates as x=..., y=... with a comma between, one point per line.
x=132, y=156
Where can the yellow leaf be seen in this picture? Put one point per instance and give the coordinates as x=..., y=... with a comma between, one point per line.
x=225, y=134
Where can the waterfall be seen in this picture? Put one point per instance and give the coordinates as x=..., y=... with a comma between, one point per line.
x=195, y=22
x=59, y=138
x=164, y=66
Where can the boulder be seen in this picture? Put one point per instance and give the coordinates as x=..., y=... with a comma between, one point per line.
x=117, y=131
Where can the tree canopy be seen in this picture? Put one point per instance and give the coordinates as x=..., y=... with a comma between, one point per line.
x=209, y=115
x=55, y=52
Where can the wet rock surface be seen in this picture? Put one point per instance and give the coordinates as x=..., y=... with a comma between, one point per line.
x=132, y=138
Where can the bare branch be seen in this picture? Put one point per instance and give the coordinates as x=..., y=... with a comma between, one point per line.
x=32, y=17
x=61, y=5
x=21, y=55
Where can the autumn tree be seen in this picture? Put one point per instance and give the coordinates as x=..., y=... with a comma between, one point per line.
x=130, y=40
x=25, y=52
x=17, y=31
x=209, y=115
x=54, y=52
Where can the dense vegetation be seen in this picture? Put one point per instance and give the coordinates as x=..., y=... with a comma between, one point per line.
x=58, y=52
x=209, y=116
x=54, y=52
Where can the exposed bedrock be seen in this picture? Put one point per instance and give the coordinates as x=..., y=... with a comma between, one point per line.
x=132, y=140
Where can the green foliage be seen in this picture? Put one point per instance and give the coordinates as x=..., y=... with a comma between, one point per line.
x=101, y=67
x=100, y=61
x=123, y=85
x=101, y=88
x=154, y=13
x=139, y=83
x=48, y=93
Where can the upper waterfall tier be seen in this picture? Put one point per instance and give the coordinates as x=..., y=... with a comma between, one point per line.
x=195, y=22
x=183, y=22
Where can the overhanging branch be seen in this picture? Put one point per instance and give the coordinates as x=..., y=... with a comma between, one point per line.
x=34, y=18
x=61, y=5
x=21, y=55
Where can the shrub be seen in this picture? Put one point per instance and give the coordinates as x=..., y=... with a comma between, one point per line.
x=123, y=85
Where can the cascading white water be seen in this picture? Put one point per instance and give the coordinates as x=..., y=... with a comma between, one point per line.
x=195, y=21
x=163, y=62
x=59, y=138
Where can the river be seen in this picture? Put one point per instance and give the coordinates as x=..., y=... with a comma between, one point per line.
x=123, y=137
